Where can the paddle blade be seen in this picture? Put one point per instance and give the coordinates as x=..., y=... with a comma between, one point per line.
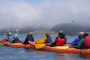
x=1, y=43
x=39, y=41
x=39, y=46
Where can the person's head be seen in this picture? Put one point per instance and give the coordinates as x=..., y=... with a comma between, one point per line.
x=46, y=34
x=85, y=34
x=80, y=34
x=60, y=33
x=15, y=35
x=29, y=34
x=9, y=34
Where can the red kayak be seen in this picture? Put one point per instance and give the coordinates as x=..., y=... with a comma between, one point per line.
x=18, y=45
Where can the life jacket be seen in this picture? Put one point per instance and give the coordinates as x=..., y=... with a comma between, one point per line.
x=48, y=40
x=87, y=41
x=60, y=42
x=31, y=39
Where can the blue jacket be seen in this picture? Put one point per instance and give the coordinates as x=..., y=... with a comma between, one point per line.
x=31, y=39
x=10, y=38
x=15, y=37
x=76, y=41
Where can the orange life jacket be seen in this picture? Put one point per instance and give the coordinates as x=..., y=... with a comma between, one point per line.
x=60, y=42
x=87, y=41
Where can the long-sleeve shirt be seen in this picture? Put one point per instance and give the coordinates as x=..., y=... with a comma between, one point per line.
x=81, y=42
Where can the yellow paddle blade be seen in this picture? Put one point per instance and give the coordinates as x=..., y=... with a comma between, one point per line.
x=39, y=41
x=1, y=43
x=39, y=46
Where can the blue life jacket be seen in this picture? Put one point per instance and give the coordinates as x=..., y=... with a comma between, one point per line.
x=48, y=40
x=76, y=41
x=10, y=38
x=31, y=39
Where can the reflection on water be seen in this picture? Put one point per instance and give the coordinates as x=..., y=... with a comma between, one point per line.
x=85, y=56
x=29, y=50
x=56, y=56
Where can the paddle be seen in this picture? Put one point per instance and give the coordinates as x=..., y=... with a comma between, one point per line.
x=39, y=46
x=1, y=43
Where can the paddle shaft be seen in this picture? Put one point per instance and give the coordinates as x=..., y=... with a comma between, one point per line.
x=68, y=43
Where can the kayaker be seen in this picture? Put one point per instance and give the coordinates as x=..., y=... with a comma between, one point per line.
x=8, y=38
x=60, y=40
x=84, y=42
x=47, y=38
x=29, y=38
x=15, y=39
x=76, y=41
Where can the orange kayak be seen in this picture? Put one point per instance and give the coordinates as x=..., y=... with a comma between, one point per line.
x=64, y=49
x=18, y=45
x=57, y=49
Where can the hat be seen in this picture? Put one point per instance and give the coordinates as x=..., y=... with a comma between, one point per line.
x=60, y=31
x=30, y=33
x=9, y=33
x=81, y=33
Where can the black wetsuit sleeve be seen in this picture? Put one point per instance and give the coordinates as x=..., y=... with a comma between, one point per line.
x=65, y=40
x=56, y=38
x=54, y=43
x=26, y=40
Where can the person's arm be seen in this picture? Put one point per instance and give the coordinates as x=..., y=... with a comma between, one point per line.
x=73, y=42
x=11, y=41
x=44, y=39
x=20, y=40
x=81, y=42
x=56, y=38
x=6, y=38
x=65, y=40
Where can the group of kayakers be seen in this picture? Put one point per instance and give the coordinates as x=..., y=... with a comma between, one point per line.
x=83, y=40
x=11, y=39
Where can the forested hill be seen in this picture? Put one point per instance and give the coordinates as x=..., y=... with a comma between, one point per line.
x=70, y=29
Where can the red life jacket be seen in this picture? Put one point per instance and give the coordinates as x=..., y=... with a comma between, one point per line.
x=60, y=42
x=87, y=41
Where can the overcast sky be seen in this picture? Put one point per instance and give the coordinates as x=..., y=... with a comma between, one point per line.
x=47, y=13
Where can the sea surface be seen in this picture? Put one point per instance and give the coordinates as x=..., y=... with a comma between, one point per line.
x=9, y=53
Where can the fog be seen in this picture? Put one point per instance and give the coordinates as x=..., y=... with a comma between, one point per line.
x=43, y=13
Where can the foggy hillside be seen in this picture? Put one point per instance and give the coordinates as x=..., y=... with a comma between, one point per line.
x=70, y=29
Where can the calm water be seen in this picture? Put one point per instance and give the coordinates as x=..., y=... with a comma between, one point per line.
x=8, y=53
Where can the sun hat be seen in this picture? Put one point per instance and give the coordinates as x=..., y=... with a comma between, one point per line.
x=9, y=33
x=82, y=33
